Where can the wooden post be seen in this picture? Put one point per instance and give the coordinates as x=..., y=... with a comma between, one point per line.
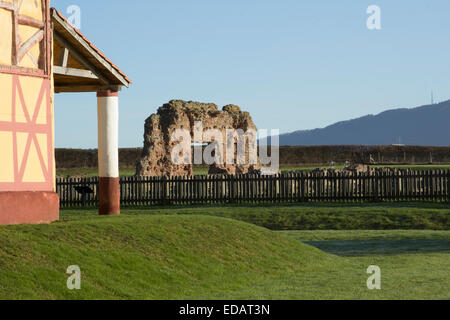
x=448, y=185
x=375, y=186
x=108, y=152
x=163, y=190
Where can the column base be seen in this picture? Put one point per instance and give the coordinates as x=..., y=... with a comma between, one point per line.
x=109, y=196
x=28, y=207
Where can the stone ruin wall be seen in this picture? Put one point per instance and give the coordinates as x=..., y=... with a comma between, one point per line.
x=156, y=155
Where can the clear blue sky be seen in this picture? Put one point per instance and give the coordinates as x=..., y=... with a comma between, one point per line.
x=293, y=64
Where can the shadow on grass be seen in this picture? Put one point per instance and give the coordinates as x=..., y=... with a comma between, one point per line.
x=367, y=204
x=309, y=204
x=352, y=248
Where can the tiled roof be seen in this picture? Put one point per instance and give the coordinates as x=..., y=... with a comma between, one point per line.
x=93, y=47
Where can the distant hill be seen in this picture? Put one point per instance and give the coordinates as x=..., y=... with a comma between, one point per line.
x=422, y=126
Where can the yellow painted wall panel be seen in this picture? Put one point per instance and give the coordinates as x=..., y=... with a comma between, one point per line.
x=6, y=157
x=33, y=170
x=31, y=87
x=42, y=113
x=42, y=140
x=21, y=143
x=34, y=154
x=29, y=60
x=20, y=113
x=52, y=119
x=5, y=37
x=32, y=8
x=5, y=94
x=35, y=165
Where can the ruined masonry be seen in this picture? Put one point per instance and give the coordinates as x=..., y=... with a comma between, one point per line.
x=156, y=154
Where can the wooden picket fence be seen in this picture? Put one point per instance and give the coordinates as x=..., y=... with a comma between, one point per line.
x=405, y=185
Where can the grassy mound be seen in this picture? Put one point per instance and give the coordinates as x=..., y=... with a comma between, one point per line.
x=151, y=257
x=311, y=216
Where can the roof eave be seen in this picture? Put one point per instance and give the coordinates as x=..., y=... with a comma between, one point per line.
x=88, y=46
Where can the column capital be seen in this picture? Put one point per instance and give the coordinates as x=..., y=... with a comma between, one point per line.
x=107, y=93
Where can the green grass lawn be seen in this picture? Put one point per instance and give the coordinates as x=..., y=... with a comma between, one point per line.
x=185, y=253
x=81, y=172
x=204, y=170
x=414, y=264
x=289, y=168
x=311, y=216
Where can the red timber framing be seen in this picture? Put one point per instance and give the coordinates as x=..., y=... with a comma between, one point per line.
x=32, y=128
x=21, y=47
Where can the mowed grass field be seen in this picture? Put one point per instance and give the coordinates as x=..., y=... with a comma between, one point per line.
x=225, y=253
x=204, y=170
x=312, y=216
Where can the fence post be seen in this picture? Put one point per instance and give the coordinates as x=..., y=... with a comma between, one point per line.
x=405, y=185
x=375, y=187
x=164, y=190
x=448, y=186
x=231, y=188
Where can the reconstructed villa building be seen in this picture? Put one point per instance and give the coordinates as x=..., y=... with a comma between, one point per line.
x=41, y=53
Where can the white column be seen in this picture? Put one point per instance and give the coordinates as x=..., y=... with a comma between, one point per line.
x=108, y=134
x=108, y=151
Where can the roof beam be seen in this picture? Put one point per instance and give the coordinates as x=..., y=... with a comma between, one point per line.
x=84, y=88
x=80, y=73
x=64, y=57
x=79, y=57
x=68, y=28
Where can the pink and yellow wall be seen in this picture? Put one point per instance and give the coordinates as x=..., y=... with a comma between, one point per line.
x=27, y=168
